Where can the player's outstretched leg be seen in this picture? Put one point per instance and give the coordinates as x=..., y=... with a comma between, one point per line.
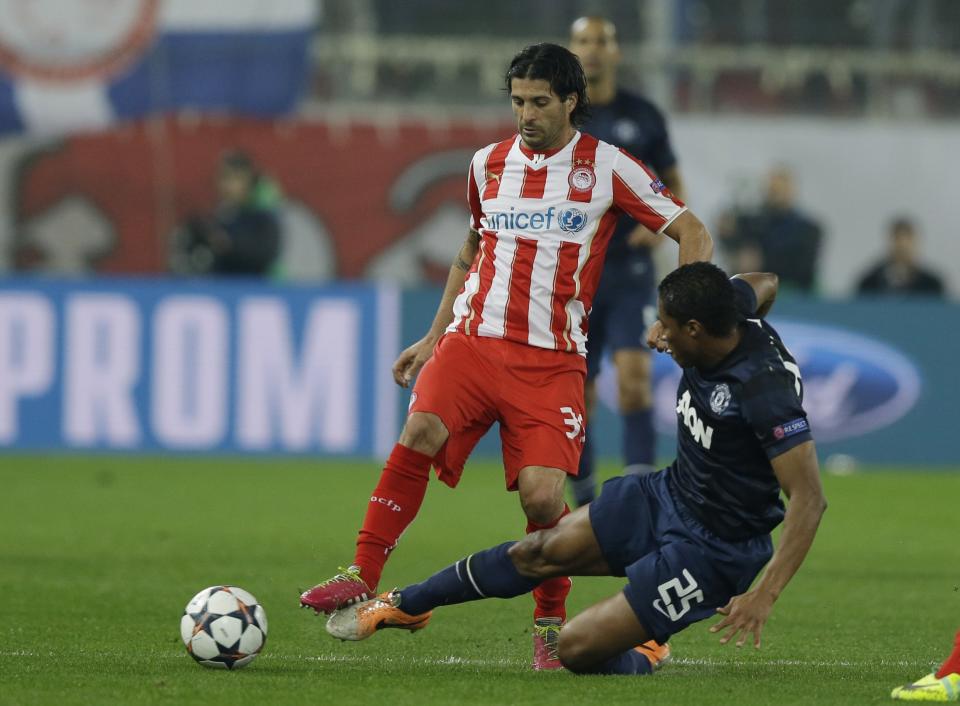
x=507, y=570
x=942, y=685
x=487, y=574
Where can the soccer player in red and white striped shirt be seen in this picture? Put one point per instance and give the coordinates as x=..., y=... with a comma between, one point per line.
x=508, y=342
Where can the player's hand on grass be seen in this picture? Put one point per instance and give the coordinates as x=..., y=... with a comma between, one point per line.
x=655, y=337
x=409, y=362
x=744, y=615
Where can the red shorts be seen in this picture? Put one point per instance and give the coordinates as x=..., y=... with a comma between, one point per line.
x=536, y=394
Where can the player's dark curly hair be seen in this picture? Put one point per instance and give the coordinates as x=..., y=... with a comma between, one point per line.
x=560, y=67
x=700, y=291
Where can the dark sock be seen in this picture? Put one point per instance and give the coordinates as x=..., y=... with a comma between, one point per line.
x=584, y=485
x=639, y=439
x=486, y=574
x=629, y=662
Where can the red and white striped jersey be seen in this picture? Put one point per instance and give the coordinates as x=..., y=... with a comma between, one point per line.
x=544, y=222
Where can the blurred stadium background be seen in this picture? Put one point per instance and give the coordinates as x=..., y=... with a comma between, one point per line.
x=141, y=366
x=122, y=330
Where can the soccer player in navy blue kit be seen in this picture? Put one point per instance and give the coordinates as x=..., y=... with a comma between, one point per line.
x=690, y=539
x=625, y=303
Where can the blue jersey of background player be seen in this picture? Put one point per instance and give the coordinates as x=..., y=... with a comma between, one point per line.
x=690, y=539
x=625, y=302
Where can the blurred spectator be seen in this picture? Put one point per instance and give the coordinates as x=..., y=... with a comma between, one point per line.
x=777, y=237
x=242, y=236
x=739, y=254
x=899, y=272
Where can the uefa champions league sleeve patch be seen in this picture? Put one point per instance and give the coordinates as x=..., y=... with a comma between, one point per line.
x=785, y=431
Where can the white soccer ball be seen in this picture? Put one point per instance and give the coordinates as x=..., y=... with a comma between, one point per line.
x=224, y=627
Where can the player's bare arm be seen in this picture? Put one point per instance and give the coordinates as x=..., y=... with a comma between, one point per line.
x=409, y=362
x=692, y=236
x=641, y=236
x=695, y=245
x=799, y=476
x=765, y=285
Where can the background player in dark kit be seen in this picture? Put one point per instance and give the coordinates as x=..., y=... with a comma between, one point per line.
x=625, y=303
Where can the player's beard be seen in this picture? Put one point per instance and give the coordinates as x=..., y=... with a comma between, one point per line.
x=535, y=139
x=539, y=139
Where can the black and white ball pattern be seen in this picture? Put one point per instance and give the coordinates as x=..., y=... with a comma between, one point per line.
x=224, y=627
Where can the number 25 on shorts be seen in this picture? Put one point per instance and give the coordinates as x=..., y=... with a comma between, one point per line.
x=674, y=592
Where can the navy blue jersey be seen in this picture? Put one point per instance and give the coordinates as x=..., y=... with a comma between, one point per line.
x=635, y=124
x=732, y=419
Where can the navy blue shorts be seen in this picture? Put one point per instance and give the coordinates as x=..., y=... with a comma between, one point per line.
x=624, y=306
x=679, y=572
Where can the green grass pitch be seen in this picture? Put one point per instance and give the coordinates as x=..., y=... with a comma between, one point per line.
x=99, y=555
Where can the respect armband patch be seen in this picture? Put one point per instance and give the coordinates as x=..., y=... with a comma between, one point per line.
x=788, y=429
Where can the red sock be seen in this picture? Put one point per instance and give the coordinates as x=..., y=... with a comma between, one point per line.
x=393, y=505
x=952, y=665
x=551, y=595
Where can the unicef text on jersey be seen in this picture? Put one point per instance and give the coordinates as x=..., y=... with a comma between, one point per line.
x=570, y=220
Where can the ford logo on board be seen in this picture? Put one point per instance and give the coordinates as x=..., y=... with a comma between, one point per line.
x=853, y=384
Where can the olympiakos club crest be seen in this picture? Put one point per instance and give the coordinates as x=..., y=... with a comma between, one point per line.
x=582, y=178
x=720, y=398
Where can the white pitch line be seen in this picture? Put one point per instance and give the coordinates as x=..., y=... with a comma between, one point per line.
x=682, y=661
x=470, y=662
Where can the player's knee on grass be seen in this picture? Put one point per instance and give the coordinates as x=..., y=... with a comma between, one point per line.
x=576, y=650
x=424, y=432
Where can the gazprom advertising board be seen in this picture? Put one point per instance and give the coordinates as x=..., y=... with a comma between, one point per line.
x=198, y=367
x=214, y=367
